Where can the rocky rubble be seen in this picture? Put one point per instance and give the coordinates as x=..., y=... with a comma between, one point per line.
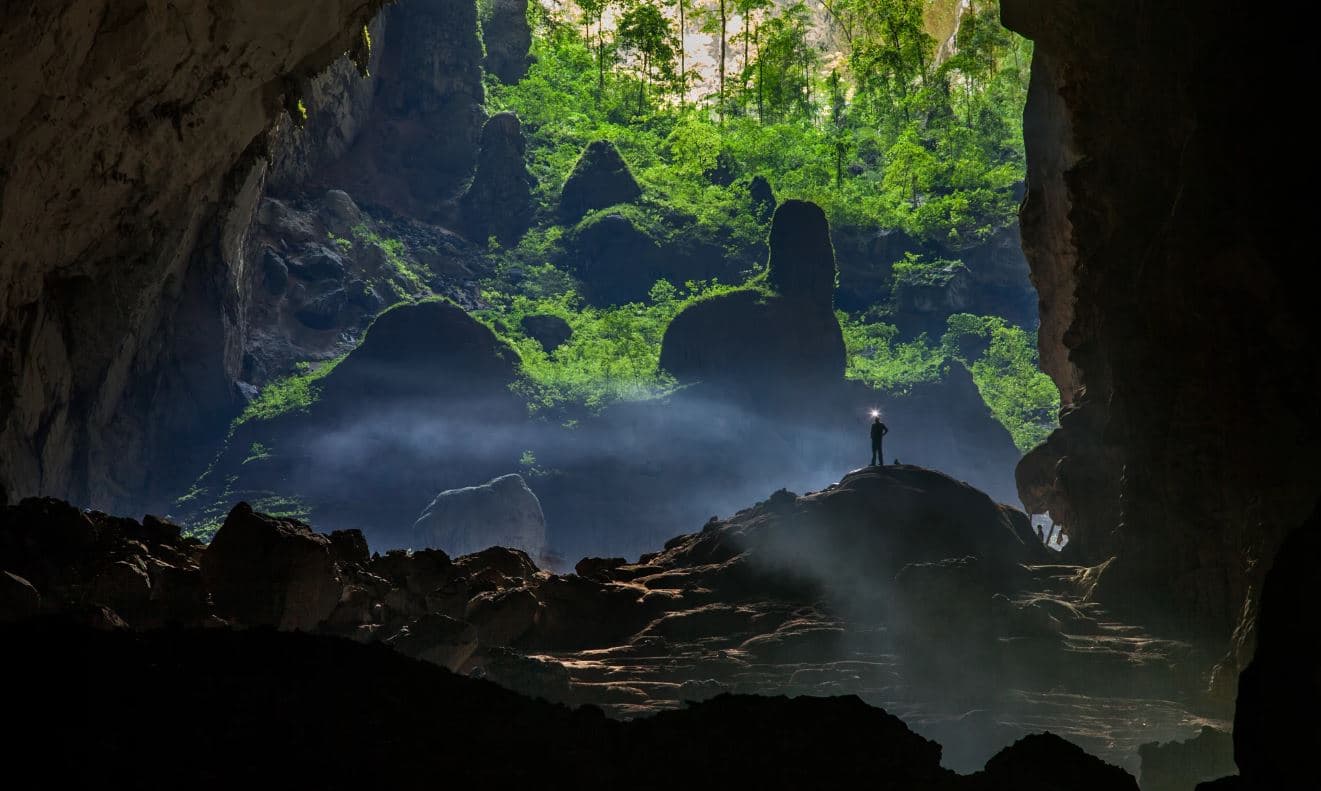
x=857, y=589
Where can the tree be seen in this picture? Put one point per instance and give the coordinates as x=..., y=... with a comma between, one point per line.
x=596, y=9
x=750, y=10
x=645, y=31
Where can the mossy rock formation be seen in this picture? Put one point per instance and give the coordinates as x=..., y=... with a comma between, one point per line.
x=765, y=343
x=601, y=178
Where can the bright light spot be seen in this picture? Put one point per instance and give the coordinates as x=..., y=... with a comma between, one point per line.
x=876, y=413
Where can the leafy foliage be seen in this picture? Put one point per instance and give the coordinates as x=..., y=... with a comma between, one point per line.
x=290, y=394
x=881, y=134
x=614, y=352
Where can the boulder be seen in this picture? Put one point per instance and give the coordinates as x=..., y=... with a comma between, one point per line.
x=600, y=178
x=502, y=617
x=1045, y=762
x=267, y=571
x=339, y=213
x=779, y=345
x=349, y=546
x=500, y=512
x=275, y=273
x=124, y=586
x=18, y=599
x=507, y=36
x=550, y=331
x=438, y=639
x=324, y=312
x=749, y=341
x=616, y=261
x=499, y=201
x=317, y=263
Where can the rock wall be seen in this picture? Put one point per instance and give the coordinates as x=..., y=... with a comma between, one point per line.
x=1164, y=254
x=131, y=138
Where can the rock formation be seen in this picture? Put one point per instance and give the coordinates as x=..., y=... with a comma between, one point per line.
x=550, y=331
x=421, y=142
x=508, y=37
x=785, y=597
x=599, y=179
x=1180, y=766
x=499, y=201
x=153, y=152
x=262, y=571
x=802, y=262
x=501, y=512
x=1276, y=734
x=379, y=431
x=1169, y=299
x=755, y=342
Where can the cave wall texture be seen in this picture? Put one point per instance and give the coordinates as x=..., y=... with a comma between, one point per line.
x=1165, y=245
x=136, y=142
x=131, y=137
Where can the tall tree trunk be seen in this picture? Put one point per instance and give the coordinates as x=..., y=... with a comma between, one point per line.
x=724, y=16
x=761, y=119
x=683, y=58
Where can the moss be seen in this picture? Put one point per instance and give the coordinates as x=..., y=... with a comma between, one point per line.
x=290, y=394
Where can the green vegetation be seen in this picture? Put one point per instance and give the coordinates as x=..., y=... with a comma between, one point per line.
x=880, y=133
x=614, y=352
x=1002, y=359
x=290, y=394
x=871, y=125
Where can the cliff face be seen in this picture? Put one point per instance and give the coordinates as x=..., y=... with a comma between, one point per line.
x=1171, y=317
x=131, y=137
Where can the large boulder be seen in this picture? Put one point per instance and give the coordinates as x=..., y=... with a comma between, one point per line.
x=616, y=261
x=500, y=512
x=508, y=37
x=600, y=178
x=753, y=342
x=499, y=201
x=267, y=571
x=768, y=344
x=431, y=350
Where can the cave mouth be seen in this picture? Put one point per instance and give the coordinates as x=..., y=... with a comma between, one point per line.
x=619, y=181
x=571, y=283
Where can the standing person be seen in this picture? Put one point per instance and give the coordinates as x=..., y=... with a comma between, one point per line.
x=878, y=432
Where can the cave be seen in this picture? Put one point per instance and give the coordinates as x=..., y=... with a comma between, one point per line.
x=326, y=454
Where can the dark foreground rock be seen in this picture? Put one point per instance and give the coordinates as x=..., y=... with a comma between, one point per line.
x=279, y=708
x=1276, y=731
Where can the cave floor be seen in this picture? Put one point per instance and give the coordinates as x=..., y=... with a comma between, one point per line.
x=1106, y=685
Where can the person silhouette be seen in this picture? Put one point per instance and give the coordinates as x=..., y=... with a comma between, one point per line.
x=878, y=432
